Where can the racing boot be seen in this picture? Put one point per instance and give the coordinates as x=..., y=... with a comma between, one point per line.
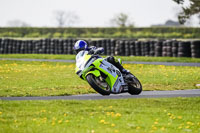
x=121, y=68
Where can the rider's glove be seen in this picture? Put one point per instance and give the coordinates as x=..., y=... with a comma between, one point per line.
x=99, y=51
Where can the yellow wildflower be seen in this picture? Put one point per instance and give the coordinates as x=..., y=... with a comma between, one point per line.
x=118, y=115
x=187, y=127
x=179, y=117
x=138, y=127
x=112, y=125
x=53, y=123
x=155, y=122
x=163, y=128
x=102, y=121
x=60, y=121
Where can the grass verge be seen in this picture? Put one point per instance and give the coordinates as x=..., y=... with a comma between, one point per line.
x=20, y=78
x=177, y=115
x=124, y=58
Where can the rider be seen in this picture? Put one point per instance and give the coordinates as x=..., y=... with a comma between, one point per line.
x=82, y=45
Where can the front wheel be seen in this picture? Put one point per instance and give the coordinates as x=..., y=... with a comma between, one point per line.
x=134, y=86
x=98, y=84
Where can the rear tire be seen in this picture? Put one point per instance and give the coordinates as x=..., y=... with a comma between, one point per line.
x=135, y=87
x=92, y=80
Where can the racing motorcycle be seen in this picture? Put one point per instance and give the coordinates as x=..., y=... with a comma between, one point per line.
x=104, y=77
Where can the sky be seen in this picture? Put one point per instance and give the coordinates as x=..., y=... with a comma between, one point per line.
x=92, y=13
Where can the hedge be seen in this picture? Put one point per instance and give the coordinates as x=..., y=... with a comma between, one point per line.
x=154, y=32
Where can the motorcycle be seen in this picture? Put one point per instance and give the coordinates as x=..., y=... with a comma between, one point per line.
x=104, y=77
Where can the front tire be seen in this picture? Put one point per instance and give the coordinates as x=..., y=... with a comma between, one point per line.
x=134, y=87
x=98, y=84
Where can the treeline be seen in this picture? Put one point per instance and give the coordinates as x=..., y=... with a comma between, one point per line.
x=153, y=32
x=122, y=47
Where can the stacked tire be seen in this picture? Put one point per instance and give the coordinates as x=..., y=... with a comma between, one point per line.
x=138, y=48
x=195, y=49
x=175, y=48
x=158, y=48
x=184, y=49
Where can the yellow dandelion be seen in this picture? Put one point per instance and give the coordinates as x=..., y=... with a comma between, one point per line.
x=53, y=123
x=187, y=127
x=189, y=123
x=0, y=113
x=180, y=127
x=163, y=128
x=168, y=114
x=43, y=111
x=179, y=117
x=112, y=125
x=154, y=128
x=67, y=121
x=110, y=107
x=108, y=113
x=102, y=121
x=65, y=114
x=155, y=122
x=118, y=115
x=116, y=131
x=138, y=127
x=60, y=121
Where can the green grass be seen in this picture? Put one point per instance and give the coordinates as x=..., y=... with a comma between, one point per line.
x=163, y=115
x=20, y=78
x=124, y=58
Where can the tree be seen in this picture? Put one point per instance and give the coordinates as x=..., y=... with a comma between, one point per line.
x=188, y=11
x=121, y=20
x=65, y=18
x=17, y=23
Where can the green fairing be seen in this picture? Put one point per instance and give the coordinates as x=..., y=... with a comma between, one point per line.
x=94, y=72
x=110, y=79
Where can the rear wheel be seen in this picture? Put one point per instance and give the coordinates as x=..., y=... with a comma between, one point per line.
x=98, y=84
x=134, y=86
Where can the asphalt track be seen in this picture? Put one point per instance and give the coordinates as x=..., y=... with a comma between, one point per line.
x=144, y=94
x=125, y=62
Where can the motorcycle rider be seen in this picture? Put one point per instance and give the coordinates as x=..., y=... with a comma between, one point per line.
x=82, y=45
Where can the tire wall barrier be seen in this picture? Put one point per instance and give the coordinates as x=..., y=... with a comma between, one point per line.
x=159, y=48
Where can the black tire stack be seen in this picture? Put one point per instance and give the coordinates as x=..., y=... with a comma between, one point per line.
x=158, y=48
x=170, y=48
x=175, y=48
x=184, y=49
x=152, y=48
x=195, y=49
x=112, y=48
x=127, y=48
x=164, y=49
x=138, y=48
x=132, y=48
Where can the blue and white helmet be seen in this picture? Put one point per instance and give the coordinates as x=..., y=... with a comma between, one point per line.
x=80, y=45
